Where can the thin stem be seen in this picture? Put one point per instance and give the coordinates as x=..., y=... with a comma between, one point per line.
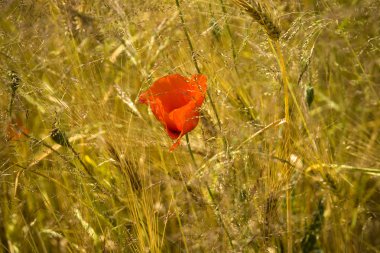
x=43, y=143
x=11, y=104
x=286, y=146
x=234, y=55
x=285, y=81
x=193, y=57
x=191, y=151
x=218, y=214
x=3, y=237
x=195, y=61
x=96, y=182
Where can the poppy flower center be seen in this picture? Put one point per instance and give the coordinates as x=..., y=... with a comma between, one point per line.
x=174, y=100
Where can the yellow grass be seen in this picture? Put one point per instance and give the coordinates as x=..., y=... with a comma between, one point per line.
x=285, y=157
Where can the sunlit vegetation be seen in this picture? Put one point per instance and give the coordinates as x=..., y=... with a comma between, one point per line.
x=285, y=157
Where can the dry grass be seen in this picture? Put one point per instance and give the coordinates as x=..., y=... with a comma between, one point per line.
x=285, y=158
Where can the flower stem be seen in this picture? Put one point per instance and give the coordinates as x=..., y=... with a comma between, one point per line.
x=191, y=151
x=218, y=214
x=195, y=61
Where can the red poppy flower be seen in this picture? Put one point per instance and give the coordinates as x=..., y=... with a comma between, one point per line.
x=175, y=101
x=15, y=128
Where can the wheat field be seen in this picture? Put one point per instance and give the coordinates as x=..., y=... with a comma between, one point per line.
x=285, y=157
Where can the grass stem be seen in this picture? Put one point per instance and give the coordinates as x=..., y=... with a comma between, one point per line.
x=218, y=214
x=286, y=145
x=195, y=61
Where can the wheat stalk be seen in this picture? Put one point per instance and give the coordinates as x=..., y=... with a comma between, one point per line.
x=259, y=13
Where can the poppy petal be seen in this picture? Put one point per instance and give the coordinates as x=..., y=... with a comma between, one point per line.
x=185, y=118
x=175, y=101
x=176, y=144
x=162, y=116
x=173, y=91
x=15, y=130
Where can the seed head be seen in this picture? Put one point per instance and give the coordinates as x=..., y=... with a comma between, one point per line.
x=14, y=80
